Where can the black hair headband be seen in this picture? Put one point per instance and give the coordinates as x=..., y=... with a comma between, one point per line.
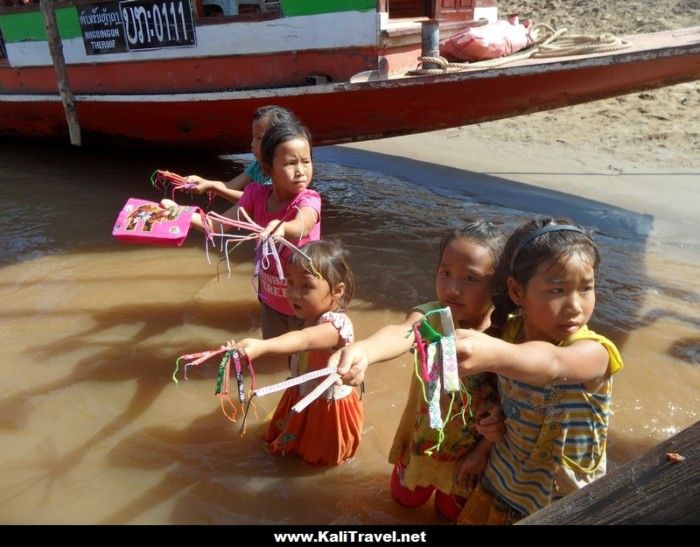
x=541, y=231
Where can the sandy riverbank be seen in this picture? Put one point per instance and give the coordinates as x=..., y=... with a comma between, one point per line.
x=662, y=125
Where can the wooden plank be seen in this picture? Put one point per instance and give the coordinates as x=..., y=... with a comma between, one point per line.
x=652, y=489
x=59, y=63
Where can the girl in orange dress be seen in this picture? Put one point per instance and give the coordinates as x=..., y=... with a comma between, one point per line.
x=320, y=285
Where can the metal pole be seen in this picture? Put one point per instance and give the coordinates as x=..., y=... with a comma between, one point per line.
x=430, y=41
x=59, y=63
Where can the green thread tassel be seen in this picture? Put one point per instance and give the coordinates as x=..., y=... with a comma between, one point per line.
x=222, y=372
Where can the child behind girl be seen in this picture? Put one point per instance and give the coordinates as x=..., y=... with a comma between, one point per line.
x=264, y=117
x=287, y=208
x=320, y=287
x=424, y=463
x=554, y=373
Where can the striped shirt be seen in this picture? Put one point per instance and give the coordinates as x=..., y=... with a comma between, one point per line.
x=555, y=435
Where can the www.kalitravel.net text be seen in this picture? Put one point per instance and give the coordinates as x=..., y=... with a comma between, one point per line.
x=350, y=536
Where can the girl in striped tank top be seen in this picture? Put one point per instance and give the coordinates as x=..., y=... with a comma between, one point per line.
x=554, y=374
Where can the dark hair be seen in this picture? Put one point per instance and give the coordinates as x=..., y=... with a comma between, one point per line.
x=523, y=256
x=277, y=114
x=276, y=135
x=329, y=260
x=481, y=232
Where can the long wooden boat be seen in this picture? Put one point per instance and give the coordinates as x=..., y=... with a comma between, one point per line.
x=161, y=73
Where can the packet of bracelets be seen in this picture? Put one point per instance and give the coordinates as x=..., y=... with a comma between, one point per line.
x=146, y=222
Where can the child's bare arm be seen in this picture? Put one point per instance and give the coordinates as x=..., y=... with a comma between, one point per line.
x=385, y=344
x=239, y=182
x=324, y=336
x=231, y=190
x=228, y=193
x=297, y=228
x=535, y=362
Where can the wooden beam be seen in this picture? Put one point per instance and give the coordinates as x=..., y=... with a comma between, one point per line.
x=655, y=488
x=59, y=63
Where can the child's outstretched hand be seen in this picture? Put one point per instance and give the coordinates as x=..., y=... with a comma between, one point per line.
x=252, y=347
x=274, y=228
x=198, y=184
x=475, y=351
x=167, y=203
x=491, y=423
x=352, y=363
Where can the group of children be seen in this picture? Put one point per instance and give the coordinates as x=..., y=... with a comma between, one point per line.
x=526, y=421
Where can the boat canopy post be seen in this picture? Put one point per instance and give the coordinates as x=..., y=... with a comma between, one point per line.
x=59, y=63
x=430, y=41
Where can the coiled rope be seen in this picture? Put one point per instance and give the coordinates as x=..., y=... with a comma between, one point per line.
x=546, y=43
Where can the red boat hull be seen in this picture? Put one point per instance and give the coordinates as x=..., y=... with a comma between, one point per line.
x=355, y=111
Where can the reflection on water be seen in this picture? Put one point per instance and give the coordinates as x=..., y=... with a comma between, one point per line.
x=95, y=431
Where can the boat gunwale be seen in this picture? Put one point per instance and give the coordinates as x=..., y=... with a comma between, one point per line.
x=530, y=66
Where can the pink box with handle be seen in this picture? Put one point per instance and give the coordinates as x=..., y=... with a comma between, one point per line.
x=146, y=222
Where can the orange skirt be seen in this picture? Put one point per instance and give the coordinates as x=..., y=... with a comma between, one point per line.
x=327, y=432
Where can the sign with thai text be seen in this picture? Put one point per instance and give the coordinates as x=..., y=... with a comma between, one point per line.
x=116, y=27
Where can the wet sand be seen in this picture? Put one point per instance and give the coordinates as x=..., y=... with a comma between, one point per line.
x=651, y=187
